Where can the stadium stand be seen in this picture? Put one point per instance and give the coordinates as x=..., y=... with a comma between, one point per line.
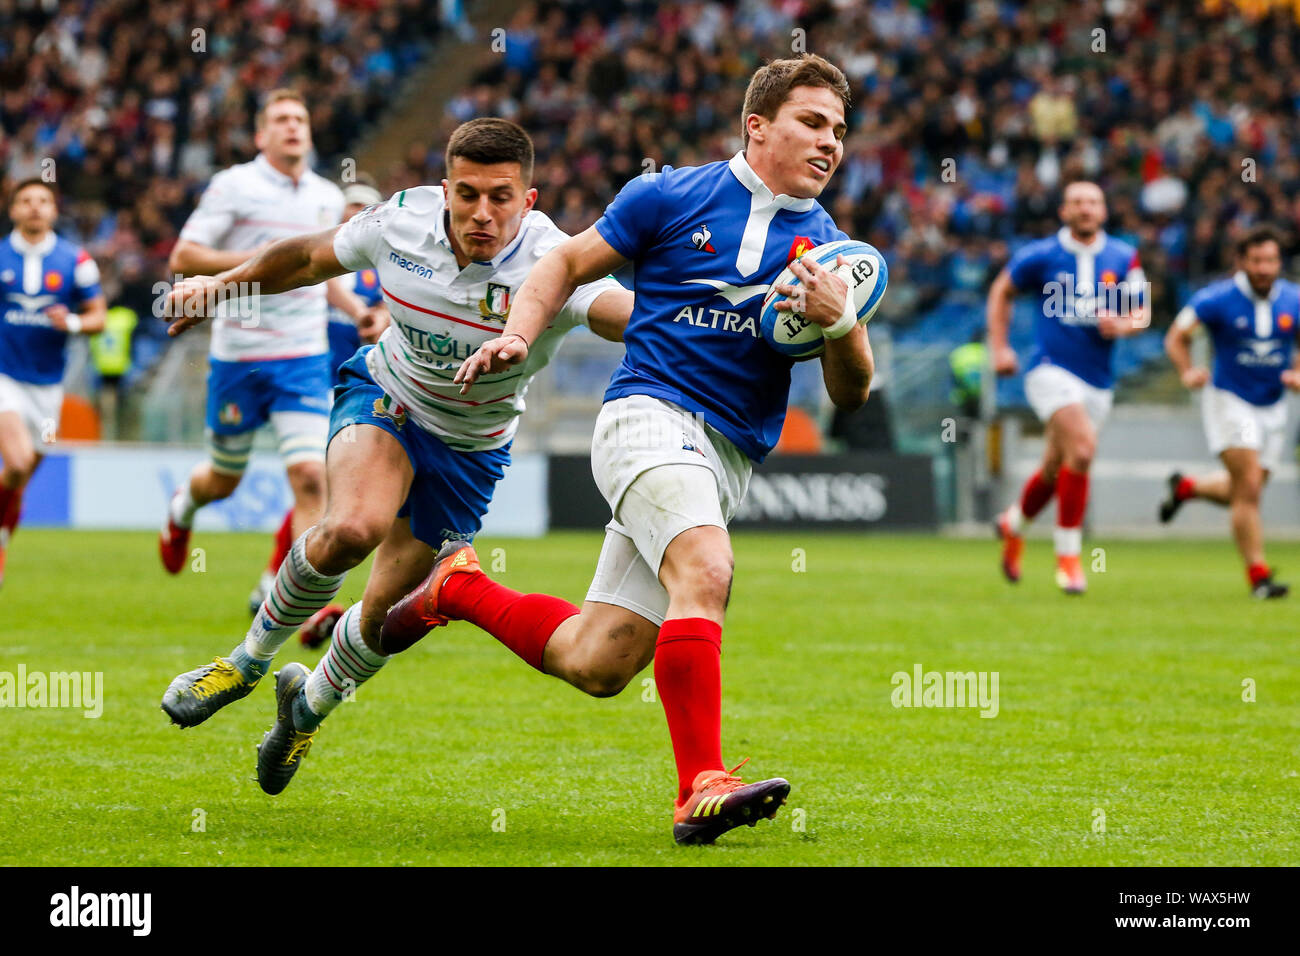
x=968, y=116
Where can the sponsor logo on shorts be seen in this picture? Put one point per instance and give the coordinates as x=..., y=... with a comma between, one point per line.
x=387, y=408
x=449, y=535
x=230, y=414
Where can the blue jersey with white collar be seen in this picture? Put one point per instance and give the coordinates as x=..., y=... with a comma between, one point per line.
x=1072, y=281
x=707, y=241
x=1253, y=336
x=34, y=277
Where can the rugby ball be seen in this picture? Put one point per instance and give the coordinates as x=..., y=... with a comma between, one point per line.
x=864, y=270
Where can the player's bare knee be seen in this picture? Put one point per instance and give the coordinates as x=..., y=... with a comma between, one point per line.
x=604, y=680
x=17, y=471
x=710, y=582
x=347, y=541
x=1248, y=487
x=1079, y=454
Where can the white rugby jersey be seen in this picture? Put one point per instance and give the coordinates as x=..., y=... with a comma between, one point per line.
x=441, y=315
x=242, y=208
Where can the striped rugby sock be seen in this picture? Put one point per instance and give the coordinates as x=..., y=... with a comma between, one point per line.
x=300, y=591
x=348, y=664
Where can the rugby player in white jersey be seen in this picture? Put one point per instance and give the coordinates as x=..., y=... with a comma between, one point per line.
x=269, y=355
x=412, y=461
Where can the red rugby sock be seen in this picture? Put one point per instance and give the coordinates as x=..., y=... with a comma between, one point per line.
x=1072, y=497
x=1036, y=494
x=11, y=507
x=688, y=675
x=522, y=622
x=1258, y=572
x=1186, y=489
x=283, y=542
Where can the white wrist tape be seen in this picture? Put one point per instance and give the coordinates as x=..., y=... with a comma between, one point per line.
x=73, y=323
x=844, y=324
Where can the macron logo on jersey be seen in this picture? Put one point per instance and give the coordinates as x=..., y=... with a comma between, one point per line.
x=419, y=269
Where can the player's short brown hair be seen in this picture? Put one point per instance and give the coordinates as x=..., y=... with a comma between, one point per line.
x=490, y=139
x=1257, y=235
x=277, y=96
x=770, y=86
x=32, y=181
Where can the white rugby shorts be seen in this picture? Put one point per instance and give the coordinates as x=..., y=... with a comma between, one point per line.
x=1050, y=388
x=38, y=406
x=663, y=471
x=1232, y=422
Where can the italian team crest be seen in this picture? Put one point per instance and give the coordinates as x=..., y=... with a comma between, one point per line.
x=1285, y=322
x=387, y=408
x=53, y=281
x=800, y=245
x=230, y=414
x=496, y=304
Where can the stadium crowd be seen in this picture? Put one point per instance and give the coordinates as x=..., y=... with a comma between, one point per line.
x=968, y=116
x=139, y=102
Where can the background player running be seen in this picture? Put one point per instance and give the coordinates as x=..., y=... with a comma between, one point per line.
x=269, y=357
x=50, y=290
x=1251, y=318
x=697, y=398
x=412, y=462
x=1090, y=291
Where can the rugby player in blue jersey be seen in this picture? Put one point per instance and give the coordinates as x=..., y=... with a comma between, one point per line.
x=699, y=397
x=1252, y=319
x=1091, y=291
x=49, y=290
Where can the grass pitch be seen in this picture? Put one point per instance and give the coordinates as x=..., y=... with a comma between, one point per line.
x=1122, y=735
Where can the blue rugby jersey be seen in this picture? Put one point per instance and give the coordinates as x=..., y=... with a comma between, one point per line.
x=53, y=271
x=707, y=241
x=1071, y=280
x=1253, y=336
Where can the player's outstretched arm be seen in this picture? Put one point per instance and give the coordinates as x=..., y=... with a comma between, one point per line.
x=189, y=258
x=584, y=258
x=283, y=265
x=1178, y=341
x=1002, y=295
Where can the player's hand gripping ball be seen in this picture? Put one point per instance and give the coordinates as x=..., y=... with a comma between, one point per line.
x=864, y=270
